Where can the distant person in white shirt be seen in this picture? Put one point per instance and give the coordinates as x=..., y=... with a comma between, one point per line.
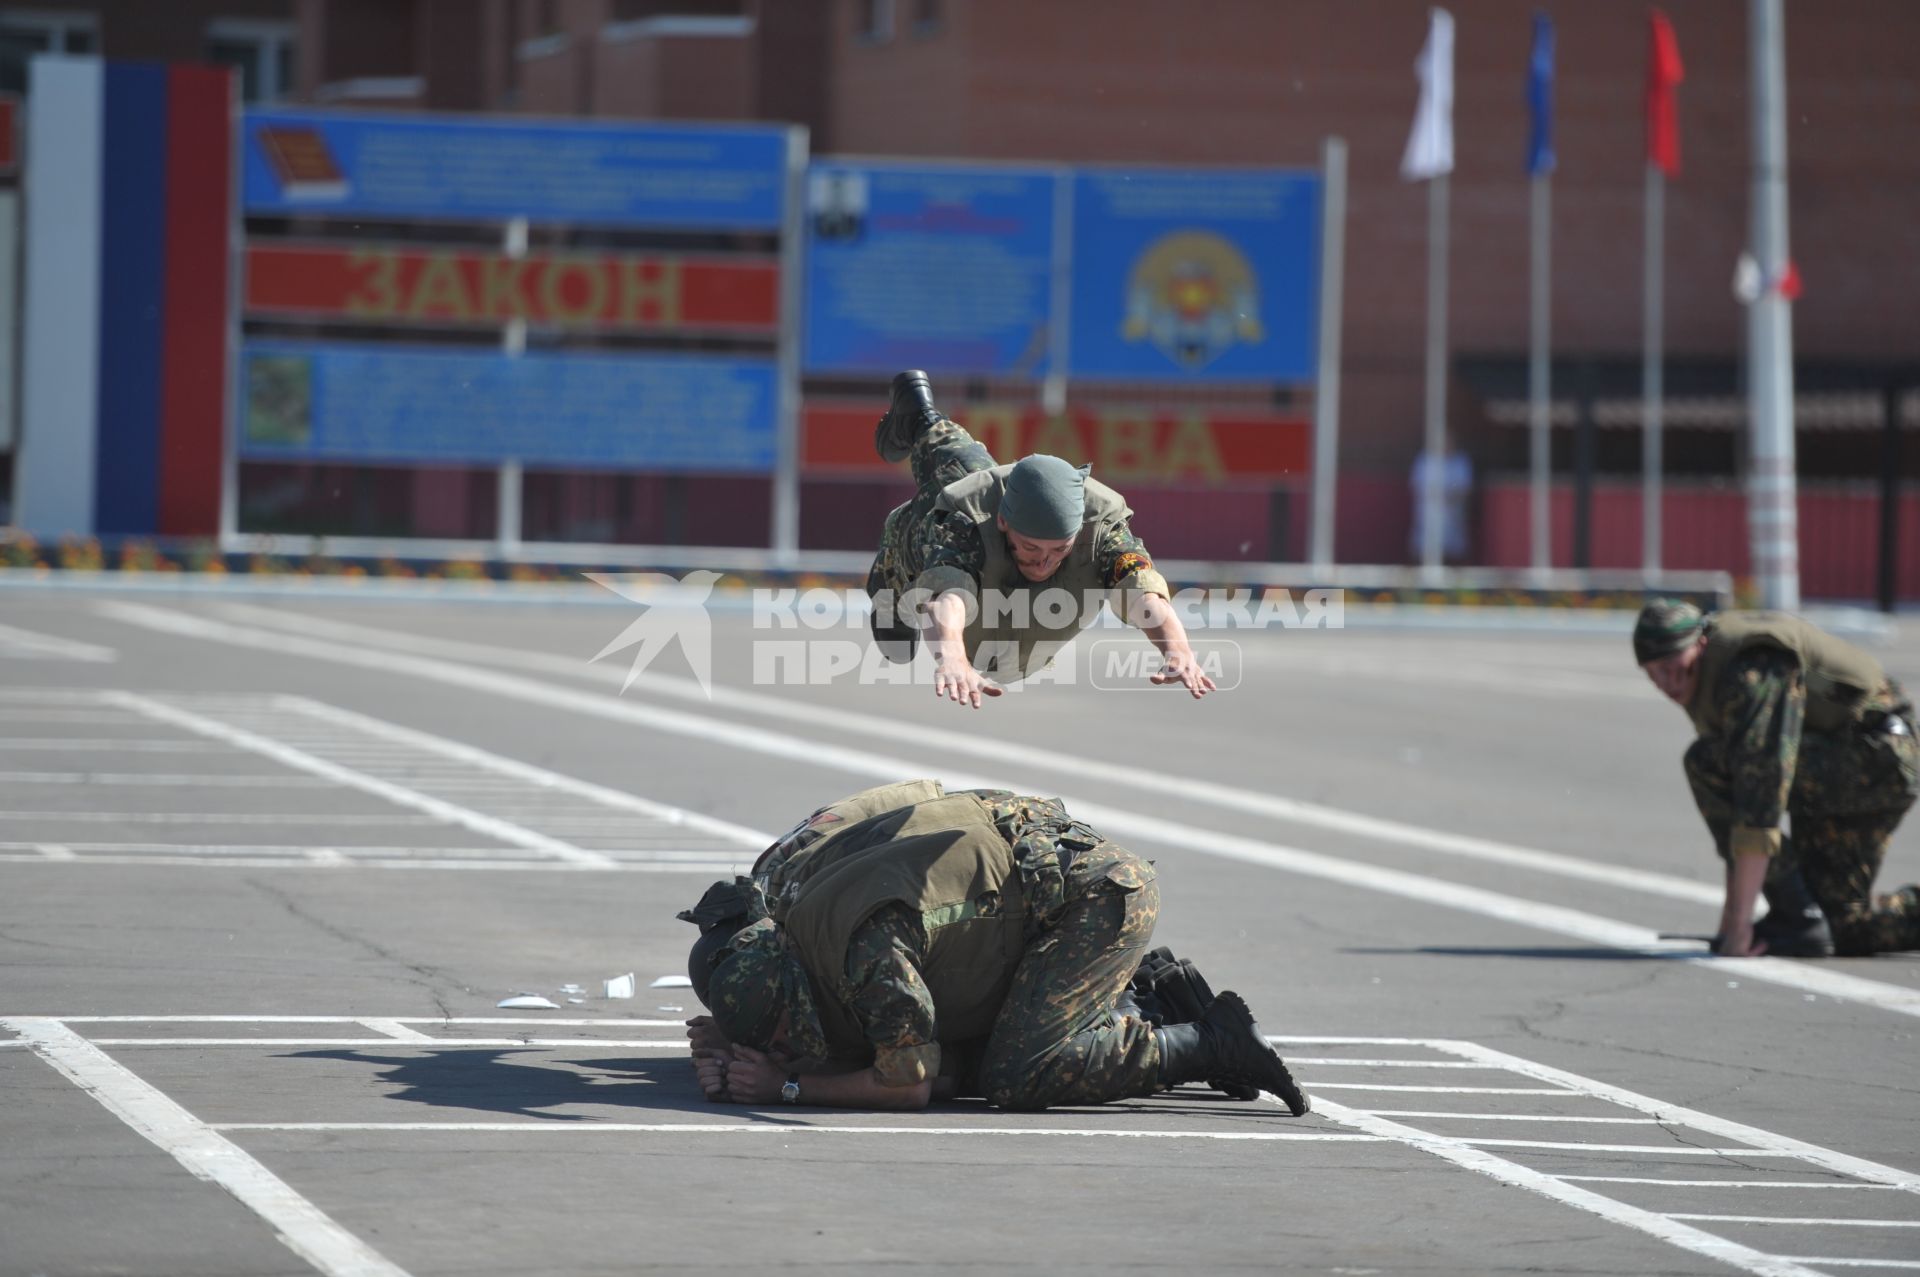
x=1456, y=487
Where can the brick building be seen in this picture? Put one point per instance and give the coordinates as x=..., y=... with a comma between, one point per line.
x=1264, y=82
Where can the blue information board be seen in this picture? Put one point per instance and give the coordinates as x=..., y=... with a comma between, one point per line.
x=338, y=402
x=944, y=268
x=1195, y=276
x=487, y=169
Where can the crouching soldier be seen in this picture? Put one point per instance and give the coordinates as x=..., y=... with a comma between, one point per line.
x=1791, y=721
x=981, y=922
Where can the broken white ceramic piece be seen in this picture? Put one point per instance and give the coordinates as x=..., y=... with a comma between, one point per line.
x=620, y=986
x=529, y=1001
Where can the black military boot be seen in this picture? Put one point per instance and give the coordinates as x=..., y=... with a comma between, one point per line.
x=1795, y=925
x=1226, y=1043
x=910, y=414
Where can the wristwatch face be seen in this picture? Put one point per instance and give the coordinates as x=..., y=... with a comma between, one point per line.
x=790, y=1092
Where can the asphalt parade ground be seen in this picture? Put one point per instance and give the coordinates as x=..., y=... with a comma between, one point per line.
x=268, y=867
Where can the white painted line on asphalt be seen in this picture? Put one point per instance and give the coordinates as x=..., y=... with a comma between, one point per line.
x=1117, y=822
x=988, y=749
x=185, y=780
x=300, y=760
x=395, y=1029
x=426, y=1044
x=210, y=1156
x=105, y=745
x=1513, y=1117
x=1439, y=1090
x=1727, y=1183
x=49, y=695
x=55, y=851
x=541, y=1021
x=346, y=819
x=1340, y=1061
x=801, y=1128
x=1650, y=1222
x=60, y=714
x=1852, y=1263
x=1665, y=1150
x=33, y=645
x=1814, y=1154
x=327, y=859
x=1821, y=1220
x=473, y=756
x=268, y=849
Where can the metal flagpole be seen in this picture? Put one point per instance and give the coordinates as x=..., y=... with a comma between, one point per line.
x=1540, y=165
x=1326, y=390
x=1539, y=375
x=1433, y=486
x=1652, y=389
x=1772, y=516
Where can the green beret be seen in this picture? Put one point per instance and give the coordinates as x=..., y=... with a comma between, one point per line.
x=1045, y=498
x=1665, y=626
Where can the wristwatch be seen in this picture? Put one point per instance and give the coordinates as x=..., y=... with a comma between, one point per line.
x=790, y=1092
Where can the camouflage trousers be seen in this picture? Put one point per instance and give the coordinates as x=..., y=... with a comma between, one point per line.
x=945, y=454
x=1058, y=1038
x=1850, y=790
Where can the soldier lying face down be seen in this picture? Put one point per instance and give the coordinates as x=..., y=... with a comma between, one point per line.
x=891, y=952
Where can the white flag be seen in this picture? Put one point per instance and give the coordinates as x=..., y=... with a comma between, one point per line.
x=1430, y=148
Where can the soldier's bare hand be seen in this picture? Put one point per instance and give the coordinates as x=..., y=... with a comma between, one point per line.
x=710, y=1067
x=754, y=1078
x=702, y=1032
x=963, y=683
x=1183, y=668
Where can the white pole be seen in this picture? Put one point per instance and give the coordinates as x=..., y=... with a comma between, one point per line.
x=786, y=464
x=1539, y=374
x=1434, y=491
x=1053, y=388
x=1772, y=517
x=1652, y=377
x=513, y=344
x=1326, y=390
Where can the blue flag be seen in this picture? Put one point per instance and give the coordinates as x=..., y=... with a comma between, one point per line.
x=1540, y=98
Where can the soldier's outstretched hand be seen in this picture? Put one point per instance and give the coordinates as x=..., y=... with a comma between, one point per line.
x=958, y=679
x=1184, y=669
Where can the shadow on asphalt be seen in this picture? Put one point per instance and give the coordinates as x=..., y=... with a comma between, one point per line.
x=489, y=1080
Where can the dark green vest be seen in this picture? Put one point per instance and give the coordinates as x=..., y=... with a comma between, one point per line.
x=1013, y=646
x=1839, y=675
x=783, y=866
x=947, y=863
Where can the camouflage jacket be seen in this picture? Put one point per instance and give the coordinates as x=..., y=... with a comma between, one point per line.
x=953, y=541
x=1772, y=762
x=885, y=957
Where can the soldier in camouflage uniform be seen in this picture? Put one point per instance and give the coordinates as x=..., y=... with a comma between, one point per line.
x=983, y=918
x=974, y=528
x=1791, y=722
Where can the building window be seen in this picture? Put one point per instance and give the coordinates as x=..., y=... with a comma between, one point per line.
x=876, y=21
x=261, y=50
x=23, y=34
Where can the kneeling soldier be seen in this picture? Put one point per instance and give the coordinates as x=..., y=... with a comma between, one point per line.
x=983, y=921
x=1791, y=721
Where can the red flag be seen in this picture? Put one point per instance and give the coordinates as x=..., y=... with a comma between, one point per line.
x=1664, y=74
